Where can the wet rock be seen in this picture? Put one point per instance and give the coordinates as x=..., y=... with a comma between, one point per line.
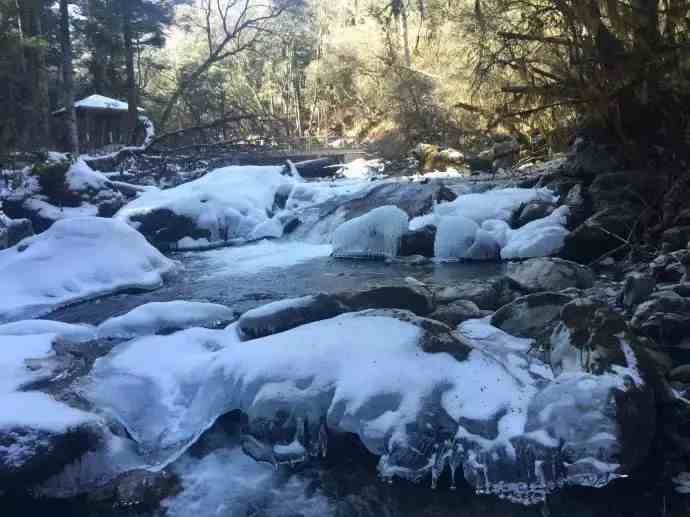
x=665, y=268
x=676, y=238
x=664, y=318
x=637, y=288
x=164, y=228
x=287, y=314
x=135, y=491
x=604, y=232
x=290, y=313
x=578, y=202
x=487, y=295
x=531, y=316
x=531, y=212
x=413, y=299
x=680, y=374
x=628, y=188
x=549, y=274
x=419, y=242
x=29, y=456
x=458, y=311
x=13, y=230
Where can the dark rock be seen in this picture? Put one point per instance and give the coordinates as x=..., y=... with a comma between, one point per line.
x=531, y=316
x=487, y=295
x=637, y=289
x=287, y=314
x=458, y=311
x=136, y=490
x=283, y=315
x=588, y=158
x=38, y=455
x=665, y=317
x=17, y=230
x=602, y=233
x=418, y=242
x=549, y=274
x=676, y=238
x=318, y=168
x=408, y=298
x=531, y=212
x=680, y=374
x=628, y=188
x=164, y=228
x=580, y=205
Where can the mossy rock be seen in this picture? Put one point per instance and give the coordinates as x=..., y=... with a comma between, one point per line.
x=52, y=178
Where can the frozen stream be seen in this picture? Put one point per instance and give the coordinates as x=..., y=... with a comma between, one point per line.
x=218, y=479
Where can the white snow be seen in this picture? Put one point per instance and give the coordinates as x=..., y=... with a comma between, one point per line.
x=80, y=177
x=54, y=213
x=76, y=259
x=153, y=317
x=73, y=333
x=375, y=234
x=229, y=202
x=31, y=409
x=539, y=238
x=474, y=226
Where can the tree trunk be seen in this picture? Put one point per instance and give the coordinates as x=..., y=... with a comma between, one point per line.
x=32, y=23
x=132, y=96
x=72, y=139
x=97, y=64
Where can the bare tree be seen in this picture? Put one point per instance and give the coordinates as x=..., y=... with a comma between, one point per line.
x=232, y=27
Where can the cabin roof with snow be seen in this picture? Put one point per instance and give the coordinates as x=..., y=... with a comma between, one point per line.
x=98, y=102
x=102, y=124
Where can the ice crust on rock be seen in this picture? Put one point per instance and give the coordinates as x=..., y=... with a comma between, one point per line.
x=421, y=399
x=376, y=234
x=67, y=332
x=154, y=317
x=475, y=227
x=228, y=203
x=76, y=259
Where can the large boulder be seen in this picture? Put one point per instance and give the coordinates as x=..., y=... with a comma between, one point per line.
x=676, y=238
x=603, y=233
x=13, y=230
x=587, y=158
x=665, y=317
x=579, y=205
x=423, y=398
x=531, y=316
x=549, y=274
x=432, y=157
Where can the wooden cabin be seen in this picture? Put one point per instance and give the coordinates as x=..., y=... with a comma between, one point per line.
x=101, y=124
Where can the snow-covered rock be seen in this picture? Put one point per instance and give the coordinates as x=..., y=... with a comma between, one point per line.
x=539, y=238
x=76, y=259
x=376, y=234
x=156, y=317
x=549, y=274
x=38, y=434
x=67, y=332
x=422, y=399
x=225, y=205
x=475, y=226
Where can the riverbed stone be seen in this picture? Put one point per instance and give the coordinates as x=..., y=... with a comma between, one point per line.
x=604, y=232
x=411, y=298
x=531, y=212
x=676, y=238
x=486, y=294
x=530, y=316
x=549, y=274
x=637, y=288
x=458, y=311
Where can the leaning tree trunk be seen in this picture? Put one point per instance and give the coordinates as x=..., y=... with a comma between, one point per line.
x=132, y=97
x=72, y=139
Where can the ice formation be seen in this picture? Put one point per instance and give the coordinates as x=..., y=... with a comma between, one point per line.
x=376, y=234
x=481, y=405
x=154, y=317
x=74, y=260
x=539, y=238
x=228, y=203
